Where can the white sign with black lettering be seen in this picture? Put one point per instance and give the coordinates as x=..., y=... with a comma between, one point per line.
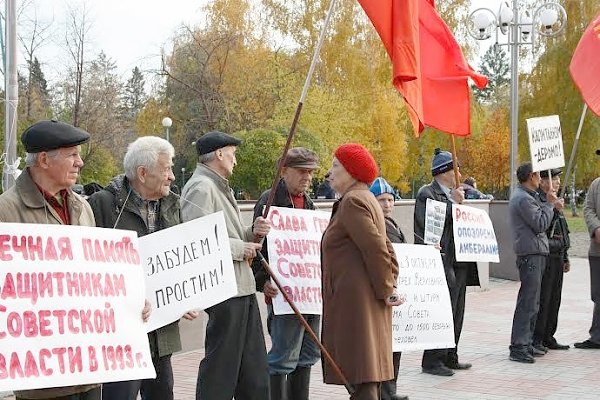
x=187, y=267
x=474, y=236
x=435, y=217
x=545, y=143
x=424, y=320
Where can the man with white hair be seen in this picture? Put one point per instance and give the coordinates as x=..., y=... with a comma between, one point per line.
x=141, y=200
x=42, y=195
x=235, y=364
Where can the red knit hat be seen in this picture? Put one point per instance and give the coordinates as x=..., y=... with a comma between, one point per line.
x=357, y=160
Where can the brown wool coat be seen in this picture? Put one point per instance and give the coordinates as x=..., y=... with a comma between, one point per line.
x=359, y=272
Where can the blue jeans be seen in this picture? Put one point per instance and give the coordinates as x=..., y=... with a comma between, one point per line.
x=291, y=346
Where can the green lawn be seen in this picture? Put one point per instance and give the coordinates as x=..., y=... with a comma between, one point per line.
x=576, y=224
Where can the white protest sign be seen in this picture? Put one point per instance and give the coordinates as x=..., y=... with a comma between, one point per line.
x=187, y=266
x=70, y=313
x=545, y=143
x=294, y=246
x=474, y=236
x=435, y=216
x=424, y=320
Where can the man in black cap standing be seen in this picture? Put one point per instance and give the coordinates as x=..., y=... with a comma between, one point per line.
x=556, y=265
x=459, y=275
x=530, y=218
x=293, y=352
x=235, y=363
x=42, y=195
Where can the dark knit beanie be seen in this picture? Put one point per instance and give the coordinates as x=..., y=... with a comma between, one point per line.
x=442, y=162
x=357, y=160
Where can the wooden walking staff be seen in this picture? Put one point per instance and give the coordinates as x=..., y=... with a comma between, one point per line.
x=455, y=164
x=280, y=165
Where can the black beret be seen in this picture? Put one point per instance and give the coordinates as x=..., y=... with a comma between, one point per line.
x=52, y=135
x=554, y=172
x=215, y=140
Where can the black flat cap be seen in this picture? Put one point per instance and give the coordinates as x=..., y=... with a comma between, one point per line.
x=215, y=140
x=52, y=135
x=554, y=172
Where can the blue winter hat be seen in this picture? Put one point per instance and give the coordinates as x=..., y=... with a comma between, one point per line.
x=442, y=162
x=380, y=186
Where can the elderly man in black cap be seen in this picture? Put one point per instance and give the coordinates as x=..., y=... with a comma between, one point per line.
x=556, y=265
x=42, y=195
x=293, y=352
x=459, y=275
x=235, y=363
x=530, y=218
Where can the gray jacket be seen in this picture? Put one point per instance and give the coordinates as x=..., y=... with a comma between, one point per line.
x=207, y=192
x=591, y=214
x=530, y=217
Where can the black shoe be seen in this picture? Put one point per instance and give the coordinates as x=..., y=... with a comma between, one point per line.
x=540, y=347
x=557, y=346
x=535, y=352
x=588, y=344
x=522, y=357
x=457, y=365
x=440, y=370
x=398, y=397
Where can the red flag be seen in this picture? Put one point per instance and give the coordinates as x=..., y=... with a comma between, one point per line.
x=397, y=23
x=585, y=65
x=439, y=97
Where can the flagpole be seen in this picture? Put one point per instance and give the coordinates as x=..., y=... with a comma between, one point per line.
x=267, y=268
x=455, y=164
x=298, y=109
x=573, y=150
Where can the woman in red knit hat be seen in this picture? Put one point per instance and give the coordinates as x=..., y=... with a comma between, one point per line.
x=359, y=278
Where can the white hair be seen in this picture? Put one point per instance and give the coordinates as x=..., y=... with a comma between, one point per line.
x=208, y=157
x=31, y=159
x=144, y=152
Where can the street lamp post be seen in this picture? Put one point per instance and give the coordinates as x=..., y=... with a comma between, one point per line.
x=167, y=122
x=548, y=20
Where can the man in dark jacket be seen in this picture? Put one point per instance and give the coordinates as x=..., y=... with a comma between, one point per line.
x=459, y=275
x=530, y=218
x=293, y=352
x=141, y=201
x=556, y=265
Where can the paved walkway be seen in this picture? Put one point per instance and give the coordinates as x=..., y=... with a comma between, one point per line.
x=571, y=374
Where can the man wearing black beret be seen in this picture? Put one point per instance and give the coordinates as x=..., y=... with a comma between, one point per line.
x=42, y=195
x=236, y=361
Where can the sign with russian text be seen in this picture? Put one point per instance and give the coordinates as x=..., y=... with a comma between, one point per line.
x=474, y=236
x=545, y=143
x=71, y=307
x=187, y=266
x=435, y=216
x=294, y=245
x=424, y=320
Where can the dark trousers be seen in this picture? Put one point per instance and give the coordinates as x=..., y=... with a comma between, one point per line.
x=531, y=269
x=160, y=388
x=93, y=394
x=436, y=357
x=236, y=358
x=550, y=295
x=389, y=388
x=595, y=289
x=366, y=391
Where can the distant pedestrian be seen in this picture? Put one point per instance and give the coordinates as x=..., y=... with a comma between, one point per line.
x=469, y=186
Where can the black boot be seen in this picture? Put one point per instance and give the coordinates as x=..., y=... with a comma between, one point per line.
x=278, y=387
x=299, y=382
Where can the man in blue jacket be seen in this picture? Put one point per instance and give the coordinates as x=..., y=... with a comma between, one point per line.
x=530, y=217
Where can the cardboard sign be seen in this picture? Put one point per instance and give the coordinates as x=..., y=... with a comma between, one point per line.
x=70, y=309
x=545, y=143
x=424, y=321
x=435, y=217
x=294, y=245
x=187, y=267
x=474, y=236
